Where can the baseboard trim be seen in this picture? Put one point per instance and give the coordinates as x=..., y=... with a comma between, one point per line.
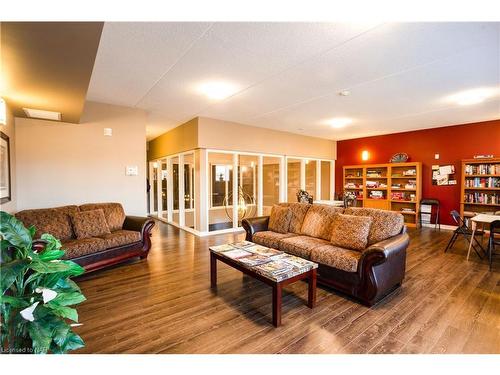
x=443, y=226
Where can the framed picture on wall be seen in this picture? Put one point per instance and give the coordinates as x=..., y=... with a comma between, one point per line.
x=4, y=168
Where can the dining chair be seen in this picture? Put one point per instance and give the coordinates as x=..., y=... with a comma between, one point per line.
x=464, y=231
x=493, y=240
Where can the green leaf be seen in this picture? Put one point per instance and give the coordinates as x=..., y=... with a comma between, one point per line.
x=41, y=336
x=52, y=242
x=5, y=256
x=15, y=302
x=48, y=255
x=32, y=231
x=14, y=231
x=10, y=271
x=63, y=311
x=68, y=299
x=73, y=342
x=50, y=267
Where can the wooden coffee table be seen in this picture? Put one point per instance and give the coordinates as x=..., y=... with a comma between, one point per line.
x=276, y=282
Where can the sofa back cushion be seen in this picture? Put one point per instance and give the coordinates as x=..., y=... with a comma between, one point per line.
x=351, y=232
x=55, y=221
x=299, y=211
x=385, y=224
x=113, y=212
x=279, y=221
x=318, y=221
x=88, y=224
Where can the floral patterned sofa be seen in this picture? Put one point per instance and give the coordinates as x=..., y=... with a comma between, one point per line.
x=94, y=235
x=360, y=251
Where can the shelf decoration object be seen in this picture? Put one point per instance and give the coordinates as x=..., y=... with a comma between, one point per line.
x=392, y=186
x=443, y=175
x=480, y=186
x=400, y=157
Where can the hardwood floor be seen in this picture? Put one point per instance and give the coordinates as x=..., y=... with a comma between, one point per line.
x=165, y=305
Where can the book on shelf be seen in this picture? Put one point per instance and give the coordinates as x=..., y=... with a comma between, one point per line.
x=410, y=172
x=490, y=168
x=373, y=173
x=351, y=185
x=482, y=182
x=376, y=194
x=482, y=198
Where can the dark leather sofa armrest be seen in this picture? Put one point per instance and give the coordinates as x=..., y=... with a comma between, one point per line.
x=139, y=224
x=386, y=249
x=253, y=225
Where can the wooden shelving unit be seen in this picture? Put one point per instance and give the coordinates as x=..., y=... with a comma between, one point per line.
x=386, y=182
x=480, y=186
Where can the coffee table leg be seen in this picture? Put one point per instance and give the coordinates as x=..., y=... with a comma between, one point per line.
x=277, y=304
x=311, y=297
x=213, y=270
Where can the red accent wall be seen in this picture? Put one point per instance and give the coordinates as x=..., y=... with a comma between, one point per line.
x=452, y=143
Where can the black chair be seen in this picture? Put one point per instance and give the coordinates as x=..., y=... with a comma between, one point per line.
x=464, y=231
x=350, y=201
x=493, y=242
x=434, y=203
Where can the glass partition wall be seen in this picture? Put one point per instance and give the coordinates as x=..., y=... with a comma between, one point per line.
x=225, y=187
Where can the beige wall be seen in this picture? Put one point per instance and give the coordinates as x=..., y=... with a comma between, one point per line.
x=225, y=135
x=10, y=131
x=182, y=138
x=61, y=163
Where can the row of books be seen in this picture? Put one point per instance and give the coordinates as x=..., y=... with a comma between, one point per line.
x=375, y=185
x=352, y=185
x=482, y=169
x=483, y=182
x=402, y=196
x=483, y=198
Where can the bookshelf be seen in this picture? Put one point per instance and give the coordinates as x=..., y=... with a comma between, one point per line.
x=480, y=186
x=392, y=186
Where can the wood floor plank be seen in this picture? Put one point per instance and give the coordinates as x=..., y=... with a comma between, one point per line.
x=166, y=305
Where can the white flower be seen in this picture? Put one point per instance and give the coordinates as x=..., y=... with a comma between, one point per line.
x=27, y=313
x=47, y=294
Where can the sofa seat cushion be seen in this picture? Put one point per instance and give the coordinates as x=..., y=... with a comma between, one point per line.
x=88, y=224
x=279, y=221
x=300, y=245
x=84, y=246
x=270, y=239
x=351, y=232
x=385, y=224
x=318, y=221
x=115, y=216
x=299, y=211
x=336, y=257
x=55, y=221
x=121, y=237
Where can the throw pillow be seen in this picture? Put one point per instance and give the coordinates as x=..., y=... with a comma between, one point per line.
x=279, y=221
x=89, y=224
x=351, y=232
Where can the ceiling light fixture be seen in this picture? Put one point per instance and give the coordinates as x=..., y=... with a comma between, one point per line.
x=217, y=90
x=473, y=96
x=338, y=122
x=41, y=114
x=344, y=93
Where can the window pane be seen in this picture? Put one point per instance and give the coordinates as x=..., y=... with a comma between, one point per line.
x=247, y=181
x=154, y=185
x=221, y=185
x=270, y=183
x=175, y=189
x=163, y=177
x=189, y=190
x=311, y=177
x=325, y=180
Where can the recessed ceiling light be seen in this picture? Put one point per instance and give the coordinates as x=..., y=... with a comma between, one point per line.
x=217, y=90
x=45, y=115
x=338, y=122
x=344, y=93
x=473, y=96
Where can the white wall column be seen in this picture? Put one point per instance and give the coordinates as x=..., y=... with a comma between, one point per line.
x=318, y=180
x=159, y=190
x=170, y=189
x=182, y=218
x=303, y=174
x=235, y=190
x=201, y=202
x=332, y=179
x=260, y=185
x=151, y=190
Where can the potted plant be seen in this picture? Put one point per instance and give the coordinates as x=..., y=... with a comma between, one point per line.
x=37, y=293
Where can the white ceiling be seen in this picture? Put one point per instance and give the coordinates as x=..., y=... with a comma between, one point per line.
x=289, y=74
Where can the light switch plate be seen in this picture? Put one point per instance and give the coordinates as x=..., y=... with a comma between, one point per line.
x=436, y=156
x=132, y=170
x=108, y=132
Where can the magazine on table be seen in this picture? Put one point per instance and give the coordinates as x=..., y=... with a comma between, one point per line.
x=222, y=248
x=264, y=251
x=237, y=253
x=242, y=244
x=296, y=262
x=275, y=268
x=254, y=260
